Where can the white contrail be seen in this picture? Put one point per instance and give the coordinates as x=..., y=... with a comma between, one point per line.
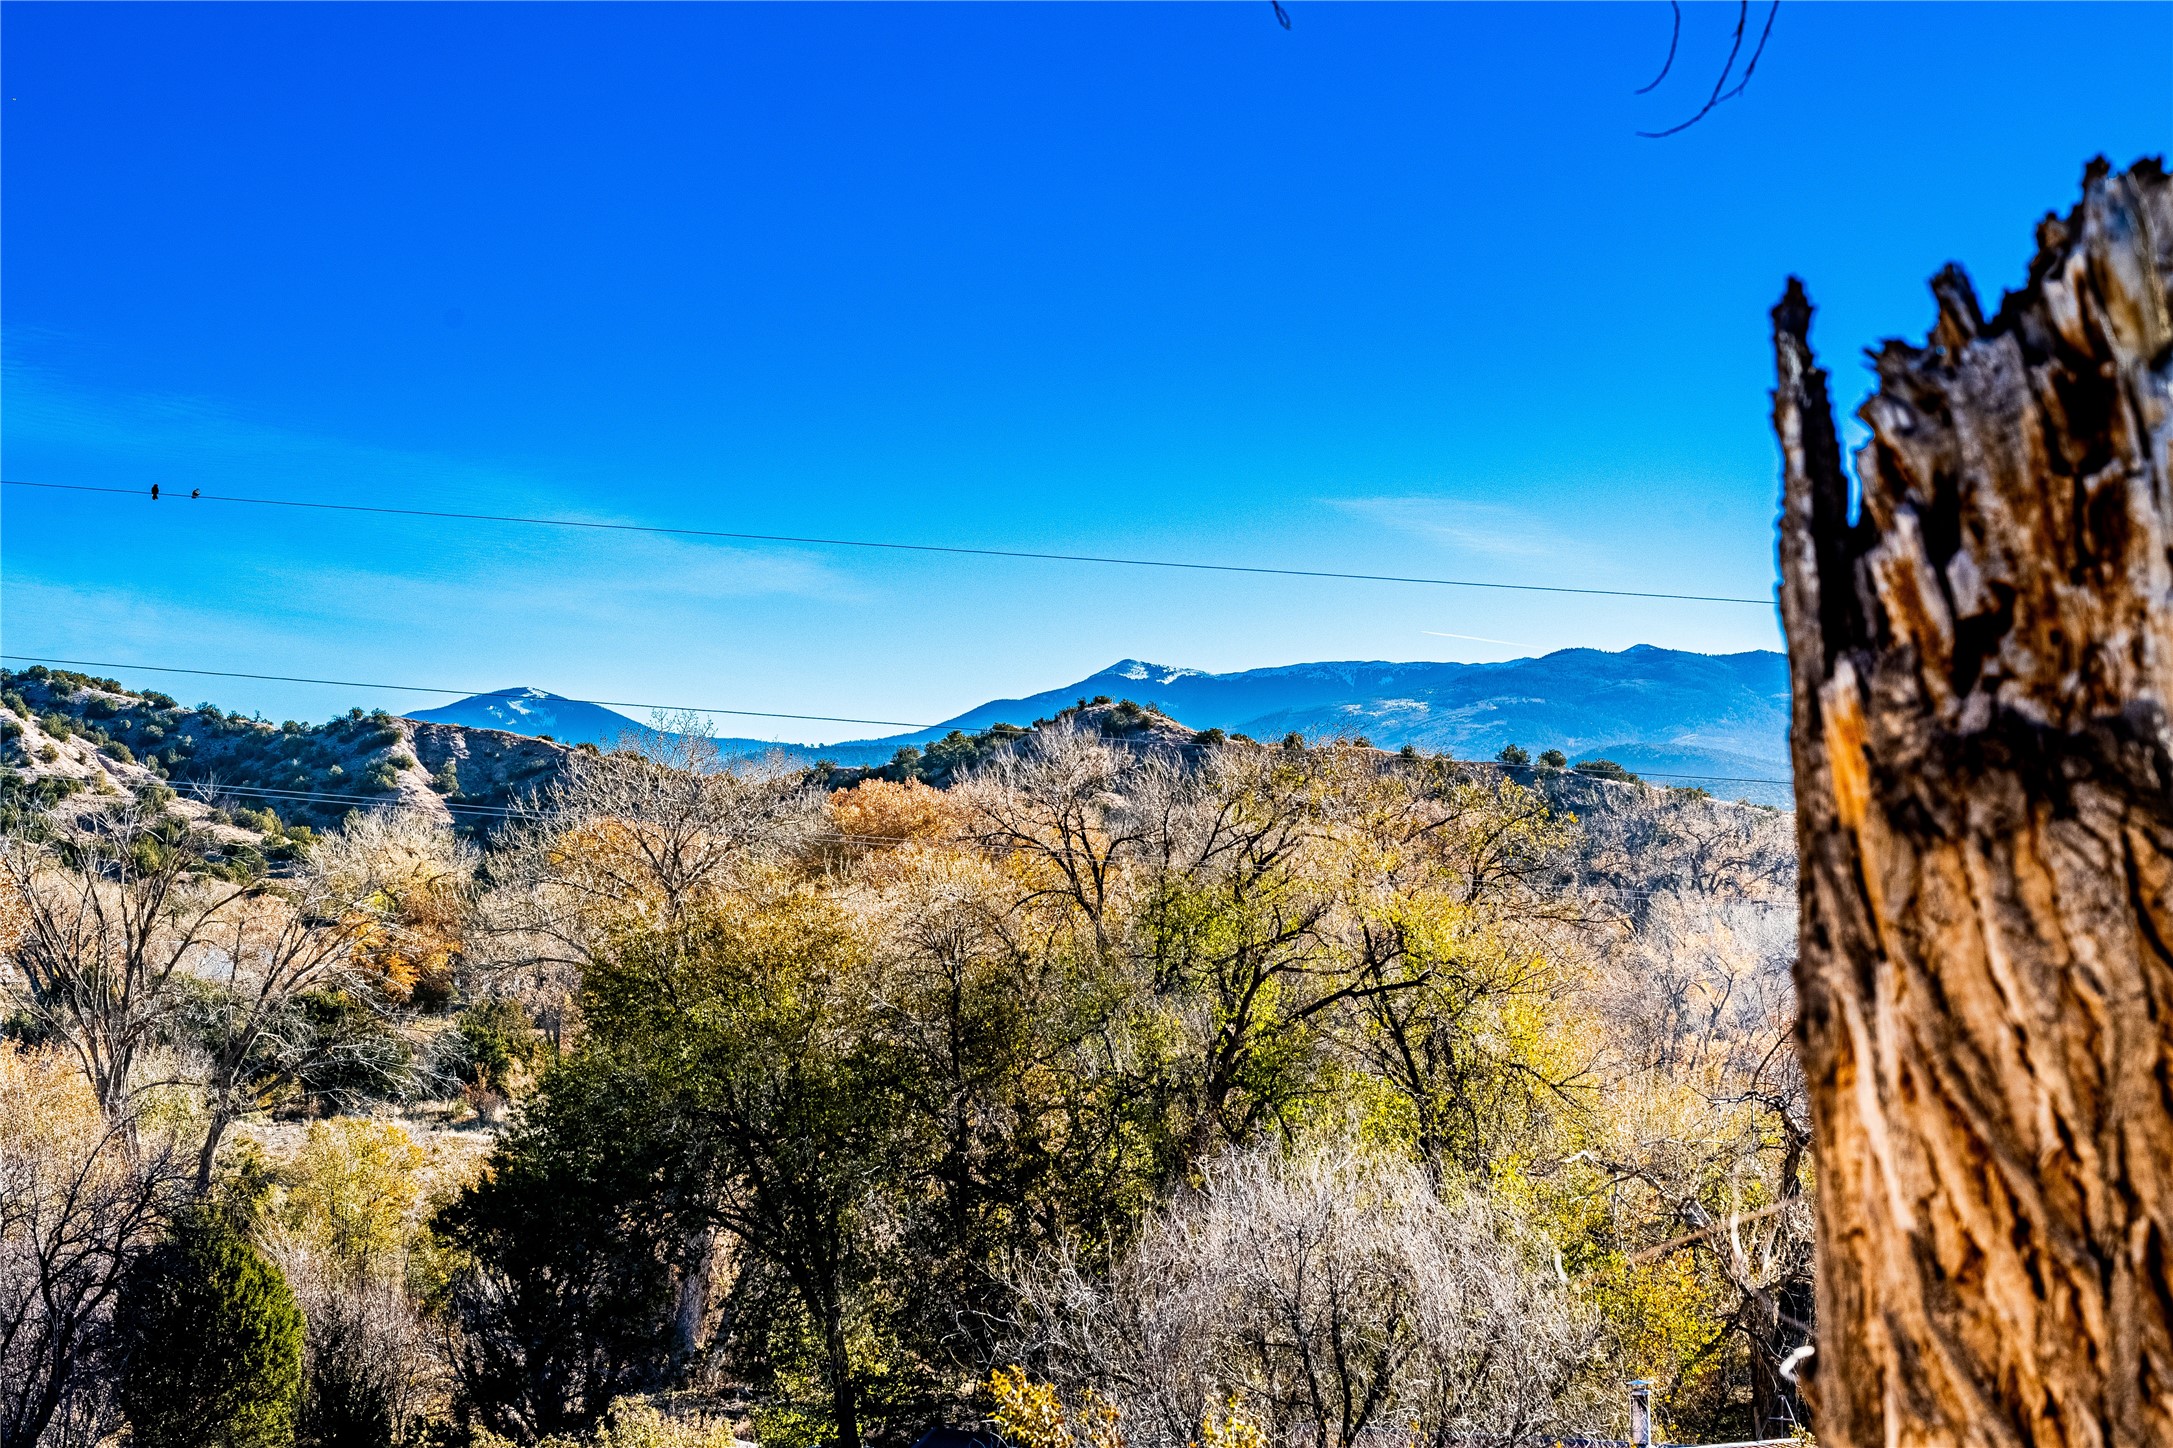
x=1435, y=633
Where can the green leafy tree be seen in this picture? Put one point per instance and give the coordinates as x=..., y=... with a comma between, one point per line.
x=567, y=1253
x=211, y=1342
x=758, y=1020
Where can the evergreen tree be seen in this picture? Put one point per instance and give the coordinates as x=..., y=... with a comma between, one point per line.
x=212, y=1343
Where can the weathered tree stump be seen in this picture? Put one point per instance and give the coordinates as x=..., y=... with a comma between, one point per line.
x=1983, y=671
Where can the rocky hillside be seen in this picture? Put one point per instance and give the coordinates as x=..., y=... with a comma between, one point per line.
x=68, y=734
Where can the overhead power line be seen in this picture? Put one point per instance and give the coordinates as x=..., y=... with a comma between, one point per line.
x=690, y=708
x=458, y=693
x=211, y=792
x=1180, y=564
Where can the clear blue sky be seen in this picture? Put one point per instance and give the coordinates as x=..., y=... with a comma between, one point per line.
x=1397, y=290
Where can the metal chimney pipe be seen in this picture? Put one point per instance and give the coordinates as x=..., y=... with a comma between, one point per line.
x=1641, y=1412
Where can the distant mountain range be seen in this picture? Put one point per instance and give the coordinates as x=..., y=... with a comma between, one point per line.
x=1657, y=711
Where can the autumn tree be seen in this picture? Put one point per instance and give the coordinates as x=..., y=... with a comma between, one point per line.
x=657, y=833
x=1207, y=894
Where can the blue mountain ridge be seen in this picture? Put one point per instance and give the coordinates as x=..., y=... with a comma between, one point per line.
x=1657, y=711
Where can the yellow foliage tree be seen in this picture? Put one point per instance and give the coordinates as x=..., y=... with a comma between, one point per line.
x=354, y=1190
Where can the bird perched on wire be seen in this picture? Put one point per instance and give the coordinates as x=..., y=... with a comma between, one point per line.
x=196, y=492
x=154, y=492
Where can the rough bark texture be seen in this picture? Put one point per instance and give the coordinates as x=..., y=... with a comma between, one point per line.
x=1983, y=666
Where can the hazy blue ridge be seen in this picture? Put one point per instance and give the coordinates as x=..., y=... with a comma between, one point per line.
x=1653, y=710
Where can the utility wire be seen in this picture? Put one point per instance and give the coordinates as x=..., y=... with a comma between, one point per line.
x=202, y=497
x=459, y=693
x=828, y=718
x=208, y=792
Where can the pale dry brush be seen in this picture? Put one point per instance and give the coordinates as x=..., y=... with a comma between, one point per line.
x=1333, y=1298
x=370, y=1346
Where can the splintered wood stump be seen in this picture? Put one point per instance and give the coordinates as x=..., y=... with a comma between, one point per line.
x=1982, y=668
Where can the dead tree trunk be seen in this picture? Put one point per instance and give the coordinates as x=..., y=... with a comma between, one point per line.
x=1983, y=672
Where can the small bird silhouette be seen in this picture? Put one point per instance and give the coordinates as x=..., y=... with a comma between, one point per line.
x=196, y=492
x=154, y=492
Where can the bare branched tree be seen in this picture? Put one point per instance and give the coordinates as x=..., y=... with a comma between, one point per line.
x=653, y=833
x=79, y=1196
x=128, y=951
x=250, y=969
x=110, y=918
x=1708, y=1142
x=1722, y=92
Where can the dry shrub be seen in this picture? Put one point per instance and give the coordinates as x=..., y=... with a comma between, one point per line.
x=1033, y=1414
x=354, y=1190
x=1329, y=1300
x=879, y=814
x=345, y=1233
x=639, y=1422
x=14, y=913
